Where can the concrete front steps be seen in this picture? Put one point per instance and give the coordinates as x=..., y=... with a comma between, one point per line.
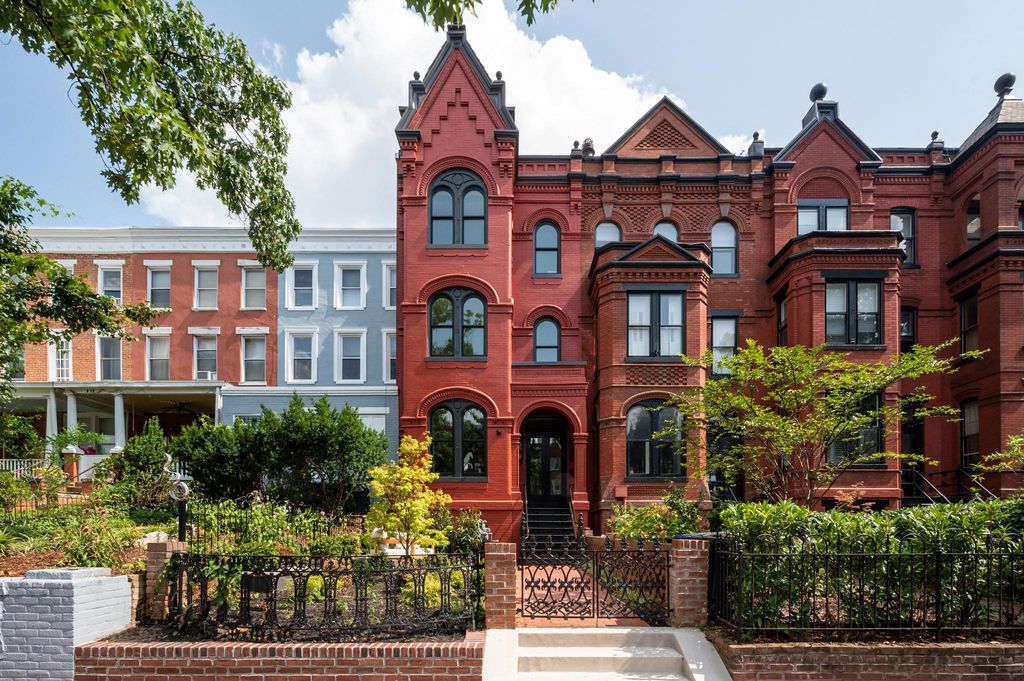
x=602, y=654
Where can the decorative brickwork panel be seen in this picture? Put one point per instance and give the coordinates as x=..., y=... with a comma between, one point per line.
x=665, y=136
x=656, y=375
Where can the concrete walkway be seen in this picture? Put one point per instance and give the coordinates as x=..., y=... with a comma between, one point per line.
x=601, y=654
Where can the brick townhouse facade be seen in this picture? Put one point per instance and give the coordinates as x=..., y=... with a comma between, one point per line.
x=543, y=300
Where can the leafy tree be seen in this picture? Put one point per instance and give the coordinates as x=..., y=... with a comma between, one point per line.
x=1009, y=460
x=19, y=438
x=405, y=505
x=225, y=461
x=441, y=12
x=322, y=457
x=779, y=411
x=161, y=91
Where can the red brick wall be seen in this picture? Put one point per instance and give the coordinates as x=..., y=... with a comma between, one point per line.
x=500, y=579
x=688, y=582
x=871, y=661
x=129, y=661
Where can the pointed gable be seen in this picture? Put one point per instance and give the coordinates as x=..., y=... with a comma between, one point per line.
x=658, y=249
x=456, y=57
x=822, y=121
x=666, y=129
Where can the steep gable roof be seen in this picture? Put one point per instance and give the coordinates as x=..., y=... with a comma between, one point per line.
x=418, y=89
x=1007, y=113
x=666, y=129
x=827, y=113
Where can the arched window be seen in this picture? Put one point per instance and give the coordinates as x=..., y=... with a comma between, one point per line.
x=646, y=454
x=723, y=248
x=458, y=210
x=545, y=249
x=606, y=233
x=458, y=440
x=974, y=220
x=458, y=324
x=667, y=229
x=546, y=341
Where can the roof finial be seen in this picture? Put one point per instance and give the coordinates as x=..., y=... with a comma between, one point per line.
x=757, y=135
x=1004, y=84
x=499, y=75
x=818, y=92
x=588, y=147
x=935, y=135
x=415, y=75
x=576, y=144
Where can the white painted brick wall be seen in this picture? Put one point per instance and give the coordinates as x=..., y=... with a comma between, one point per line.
x=45, y=614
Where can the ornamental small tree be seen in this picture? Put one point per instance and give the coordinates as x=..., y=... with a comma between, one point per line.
x=406, y=505
x=792, y=419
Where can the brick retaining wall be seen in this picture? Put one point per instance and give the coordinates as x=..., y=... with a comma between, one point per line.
x=871, y=661
x=207, y=661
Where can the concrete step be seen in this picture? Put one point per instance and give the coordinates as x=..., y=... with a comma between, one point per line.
x=590, y=637
x=604, y=659
x=600, y=676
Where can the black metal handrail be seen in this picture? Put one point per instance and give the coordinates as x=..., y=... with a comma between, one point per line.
x=975, y=486
x=917, y=475
x=858, y=589
x=310, y=598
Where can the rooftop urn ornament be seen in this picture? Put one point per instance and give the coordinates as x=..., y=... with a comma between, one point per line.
x=498, y=74
x=1004, y=84
x=415, y=75
x=588, y=147
x=935, y=135
x=818, y=92
x=757, y=135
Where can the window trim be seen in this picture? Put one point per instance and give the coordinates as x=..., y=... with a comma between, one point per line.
x=976, y=455
x=99, y=359
x=387, y=267
x=654, y=339
x=557, y=249
x=458, y=408
x=246, y=269
x=973, y=295
x=913, y=326
x=735, y=248
x=241, y=349
x=289, y=297
x=852, y=311
x=386, y=363
x=195, y=355
x=340, y=265
x=120, y=276
x=458, y=297
x=735, y=337
x=150, y=269
x=558, y=341
x=196, y=269
x=822, y=206
x=653, y=451
x=149, y=356
x=442, y=182
x=352, y=332
x=289, y=354
x=910, y=243
x=51, y=350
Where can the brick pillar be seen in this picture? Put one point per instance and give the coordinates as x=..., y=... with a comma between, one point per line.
x=500, y=579
x=688, y=582
x=157, y=555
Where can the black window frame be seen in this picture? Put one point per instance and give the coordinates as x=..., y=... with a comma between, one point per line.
x=655, y=325
x=457, y=182
x=557, y=250
x=558, y=341
x=909, y=242
x=841, y=449
x=970, y=443
x=734, y=249
x=973, y=213
x=853, y=314
x=458, y=297
x=822, y=206
x=654, y=447
x=908, y=320
x=458, y=409
x=716, y=373
x=969, y=331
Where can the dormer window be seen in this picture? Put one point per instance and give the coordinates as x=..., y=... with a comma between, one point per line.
x=973, y=226
x=829, y=215
x=458, y=210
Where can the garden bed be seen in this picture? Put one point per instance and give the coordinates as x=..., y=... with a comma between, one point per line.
x=156, y=633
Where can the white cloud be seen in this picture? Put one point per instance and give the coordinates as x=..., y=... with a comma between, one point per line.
x=739, y=143
x=341, y=158
x=187, y=204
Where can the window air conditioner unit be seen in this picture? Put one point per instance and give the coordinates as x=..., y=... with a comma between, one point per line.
x=206, y=375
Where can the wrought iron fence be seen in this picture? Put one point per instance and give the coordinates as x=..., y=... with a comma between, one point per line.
x=857, y=590
x=293, y=598
x=222, y=528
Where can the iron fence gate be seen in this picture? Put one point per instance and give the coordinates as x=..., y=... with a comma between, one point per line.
x=563, y=578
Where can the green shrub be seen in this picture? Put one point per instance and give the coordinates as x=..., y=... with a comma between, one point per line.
x=432, y=589
x=134, y=477
x=346, y=544
x=13, y=490
x=463, y=530
x=661, y=521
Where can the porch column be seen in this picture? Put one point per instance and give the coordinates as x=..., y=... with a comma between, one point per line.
x=51, y=418
x=71, y=451
x=119, y=436
x=71, y=420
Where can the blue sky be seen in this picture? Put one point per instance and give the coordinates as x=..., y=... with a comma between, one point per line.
x=898, y=69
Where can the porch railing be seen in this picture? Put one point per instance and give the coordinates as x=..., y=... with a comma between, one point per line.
x=20, y=468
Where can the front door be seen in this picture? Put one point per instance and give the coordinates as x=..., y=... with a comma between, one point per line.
x=544, y=457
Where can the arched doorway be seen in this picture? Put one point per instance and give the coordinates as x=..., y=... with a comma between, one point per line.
x=545, y=444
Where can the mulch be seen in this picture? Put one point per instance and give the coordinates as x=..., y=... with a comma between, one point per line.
x=17, y=564
x=155, y=633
